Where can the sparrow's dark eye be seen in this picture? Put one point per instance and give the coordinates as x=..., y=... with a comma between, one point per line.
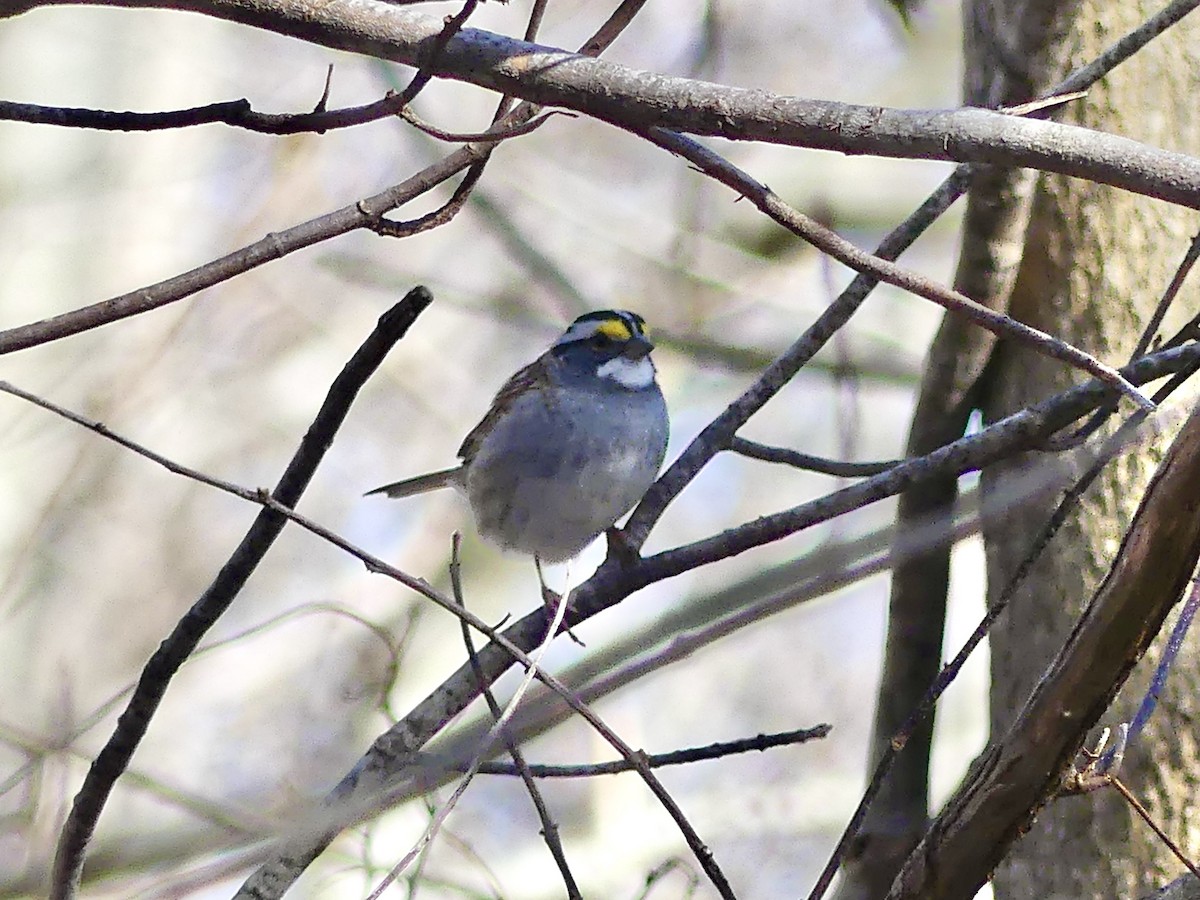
x=600, y=340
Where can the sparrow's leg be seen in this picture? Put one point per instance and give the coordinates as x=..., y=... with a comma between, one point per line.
x=551, y=600
x=619, y=547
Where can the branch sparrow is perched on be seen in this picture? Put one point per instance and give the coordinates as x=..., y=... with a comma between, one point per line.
x=569, y=444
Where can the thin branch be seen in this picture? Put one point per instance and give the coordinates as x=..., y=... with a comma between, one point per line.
x=235, y=113
x=1149, y=332
x=1161, y=672
x=806, y=461
x=490, y=135
x=481, y=752
x=385, y=227
x=639, y=100
x=1120, y=788
x=720, y=169
x=1085, y=76
x=114, y=757
x=675, y=758
x=1042, y=104
x=520, y=766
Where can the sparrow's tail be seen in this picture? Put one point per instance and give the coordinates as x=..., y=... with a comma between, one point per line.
x=420, y=484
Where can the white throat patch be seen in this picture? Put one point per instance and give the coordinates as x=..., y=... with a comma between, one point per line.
x=633, y=374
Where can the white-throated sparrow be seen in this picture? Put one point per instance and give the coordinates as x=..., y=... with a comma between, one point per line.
x=569, y=444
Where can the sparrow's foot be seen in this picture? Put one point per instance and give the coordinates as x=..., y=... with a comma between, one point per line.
x=620, y=550
x=550, y=600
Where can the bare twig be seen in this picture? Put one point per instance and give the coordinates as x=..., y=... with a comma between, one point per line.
x=675, y=758
x=490, y=135
x=1102, y=415
x=1120, y=788
x=520, y=766
x=1161, y=672
x=1042, y=104
x=784, y=456
x=482, y=751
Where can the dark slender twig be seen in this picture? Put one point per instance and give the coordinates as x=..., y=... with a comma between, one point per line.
x=1102, y=415
x=1120, y=788
x=489, y=135
x=675, y=758
x=534, y=24
x=451, y=25
x=519, y=765
x=1085, y=76
x=385, y=227
x=1160, y=311
x=236, y=113
x=174, y=651
x=807, y=461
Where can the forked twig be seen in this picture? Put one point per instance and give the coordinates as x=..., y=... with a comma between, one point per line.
x=549, y=827
x=1119, y=787
x=114, y=757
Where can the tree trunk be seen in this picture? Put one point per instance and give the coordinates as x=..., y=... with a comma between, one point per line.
x=1096, y=261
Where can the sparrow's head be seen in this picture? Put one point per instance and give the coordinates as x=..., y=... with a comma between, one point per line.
x=613, y=343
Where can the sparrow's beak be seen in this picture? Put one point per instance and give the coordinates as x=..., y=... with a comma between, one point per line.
x=637, y=347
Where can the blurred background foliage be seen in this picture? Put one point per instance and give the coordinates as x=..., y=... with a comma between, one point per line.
x=100, y=551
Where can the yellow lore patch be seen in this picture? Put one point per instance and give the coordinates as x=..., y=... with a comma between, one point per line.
x=615, y=329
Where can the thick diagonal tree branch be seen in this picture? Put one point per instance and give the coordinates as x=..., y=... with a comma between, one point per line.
x=1021, y=769
x=639, y=100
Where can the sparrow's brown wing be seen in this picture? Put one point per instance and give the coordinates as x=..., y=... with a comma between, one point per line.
x=535, y=374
